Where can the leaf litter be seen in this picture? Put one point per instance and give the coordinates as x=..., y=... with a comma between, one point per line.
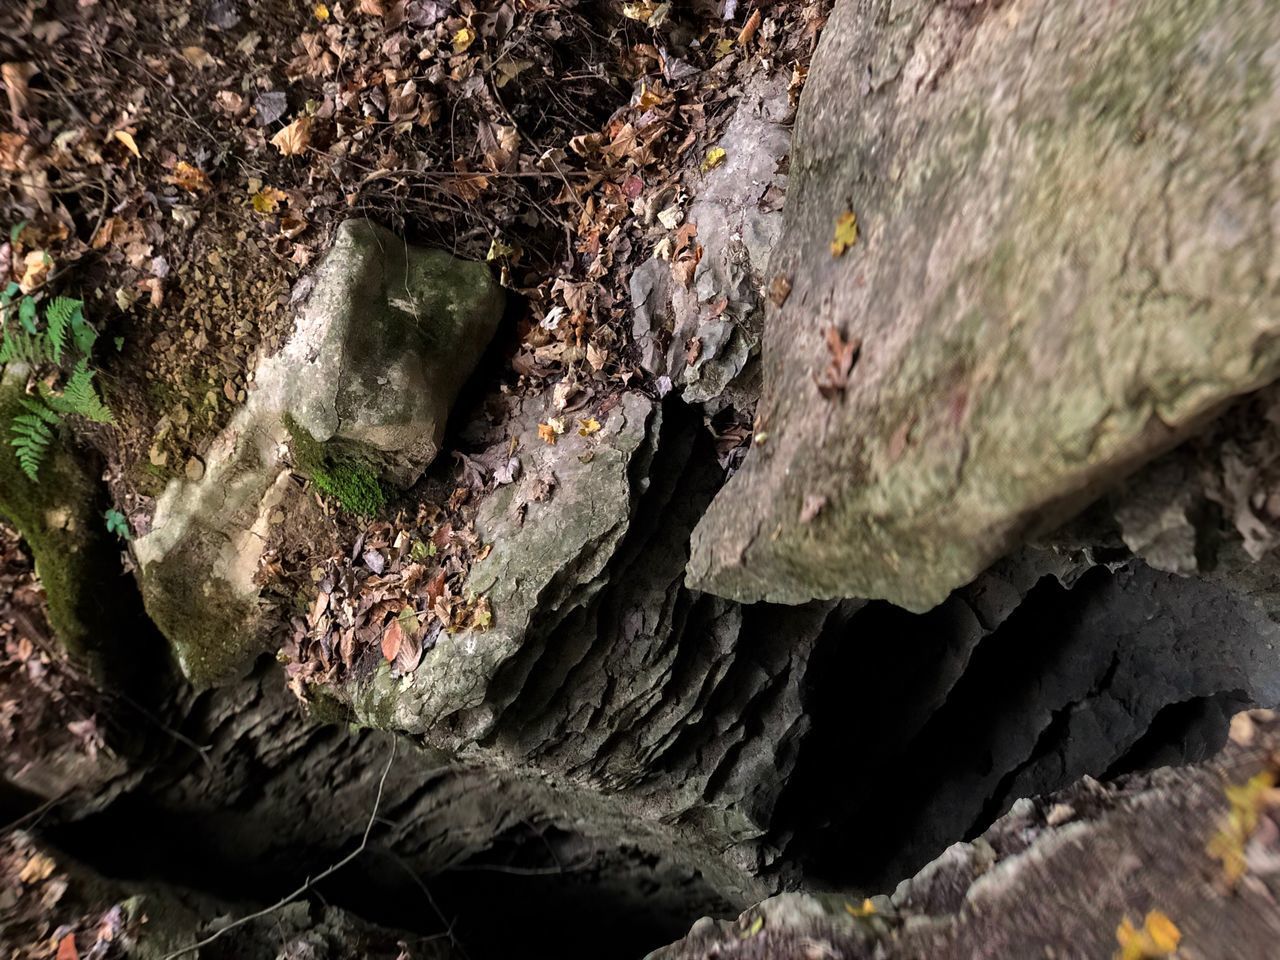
x=184, y=186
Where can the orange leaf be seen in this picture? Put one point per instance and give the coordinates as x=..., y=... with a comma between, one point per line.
x=392, y=637
x=67, y=948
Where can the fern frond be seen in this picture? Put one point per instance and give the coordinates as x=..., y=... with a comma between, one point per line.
x=79, y=396
x=21, y=347
x=31, y=438
x=58, y=316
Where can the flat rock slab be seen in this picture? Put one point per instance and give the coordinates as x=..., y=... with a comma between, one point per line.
x=383, y=344
x=1064, y=267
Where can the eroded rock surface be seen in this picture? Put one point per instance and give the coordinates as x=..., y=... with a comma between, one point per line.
x=1061, y=873
x=1062, y=269
x=361, y=390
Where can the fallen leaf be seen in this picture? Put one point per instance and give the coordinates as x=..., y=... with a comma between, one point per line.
x=37, y=869
x=846, y=234
x=294, y=138
x=463, y=39
x=1159, y=937
x=321, y=12
x=588, y=426
x=723, y=48
x=392, y=637
x=548, y=432
x=268, y=200
x=779, y=289
x=371, y=7
x=190, y=178
x=844, y=354
x=125, y=137
x=15, y=76
x=715, y=157
x=749, y=28
x=67, y=948
x=36, y=266
x=867, y=908
x=198, y=57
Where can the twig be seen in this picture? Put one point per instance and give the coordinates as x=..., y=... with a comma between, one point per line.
x=309, y=882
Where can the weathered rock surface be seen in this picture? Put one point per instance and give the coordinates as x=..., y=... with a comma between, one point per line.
x=714, y=326
x=60, y=517
x=1063, y=268
x=1055, y=877
x=387, y=336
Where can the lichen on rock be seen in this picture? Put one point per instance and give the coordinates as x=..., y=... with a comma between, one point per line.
x=358, y=396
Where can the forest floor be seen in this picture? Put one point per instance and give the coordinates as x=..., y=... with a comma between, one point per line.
x=180, y=167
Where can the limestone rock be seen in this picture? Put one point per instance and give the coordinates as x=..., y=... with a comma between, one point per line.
x=380, y=350
x=1053, y=877
x=1061, y=272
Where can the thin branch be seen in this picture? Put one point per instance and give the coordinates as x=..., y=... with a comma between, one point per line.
x=309, y=882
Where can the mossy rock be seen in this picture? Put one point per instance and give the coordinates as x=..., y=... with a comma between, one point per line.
x=59, y=515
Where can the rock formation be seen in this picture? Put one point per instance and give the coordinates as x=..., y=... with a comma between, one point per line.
x=361, y=391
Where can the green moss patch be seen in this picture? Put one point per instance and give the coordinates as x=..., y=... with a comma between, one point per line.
x=351, y=481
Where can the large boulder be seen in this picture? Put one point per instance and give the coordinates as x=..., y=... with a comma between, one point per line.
x=360, y=392
x=1063, y=267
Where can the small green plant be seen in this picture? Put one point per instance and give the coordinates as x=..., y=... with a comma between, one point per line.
x=117, y=523
x=26, y=340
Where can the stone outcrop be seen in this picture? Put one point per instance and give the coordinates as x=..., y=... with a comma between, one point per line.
x=1068, y=869
x=1061, y=269
x=360, y=392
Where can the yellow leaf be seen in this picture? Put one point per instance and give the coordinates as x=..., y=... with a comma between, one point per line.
x=723, y=48
x=294, y=138
x=463, y=39
x=588, y=426
x=867, y=909
x=268, y=199
x=125, y=137
x=499, y=250
x=715, y=157
x=1158, y=938
x=846, y=233
x=321, y=12
x=756, y=926
x=548, y=434
x=38, y=868
x=1247, y=801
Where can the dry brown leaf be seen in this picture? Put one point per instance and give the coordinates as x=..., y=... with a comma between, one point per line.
x=749, y=28
x=392, y=637
x=15, y=76
x=372, y=8
x=844, y=354
x=548, y=434
x=198, y=57
x=295, y=138
x=35, y=267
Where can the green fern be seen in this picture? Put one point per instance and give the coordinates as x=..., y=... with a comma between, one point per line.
x=58, y=319
x=32, y=435
x=32, y=432
x=22, y=347
x=79, y=396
